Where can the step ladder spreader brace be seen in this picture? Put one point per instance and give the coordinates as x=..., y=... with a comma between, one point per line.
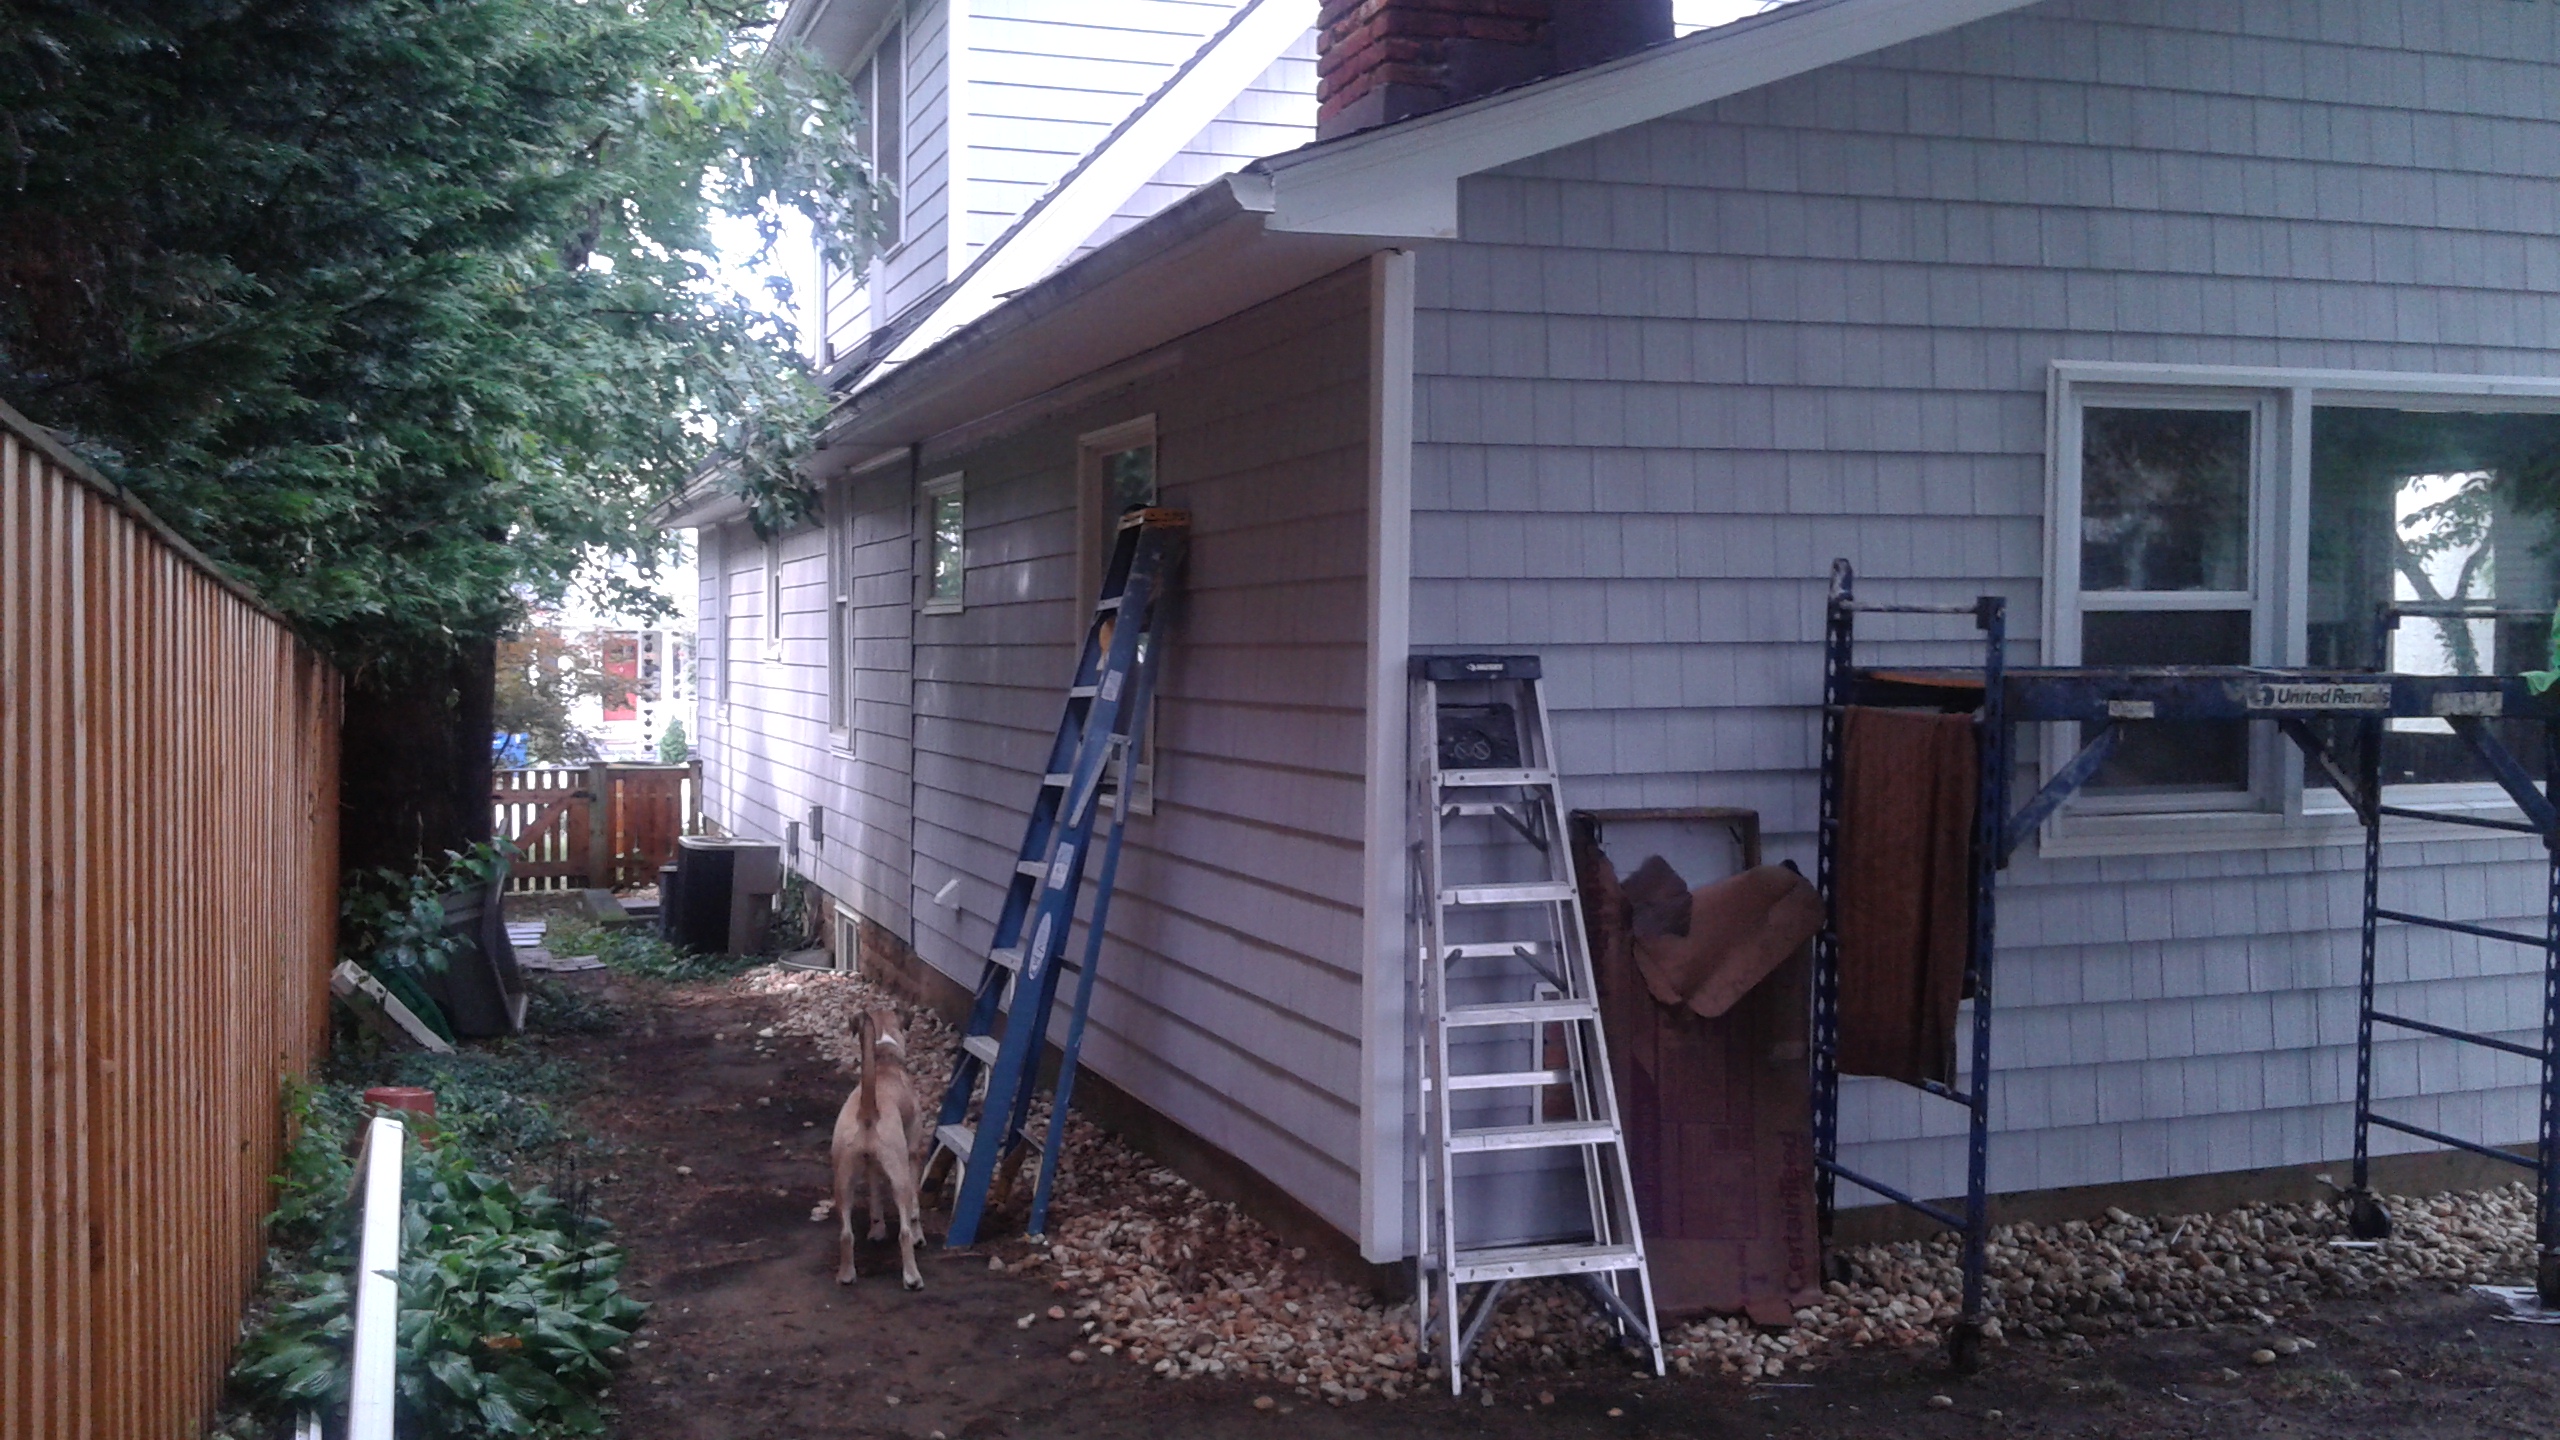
x=1093, y=763
x=2103, y=701
x=1521, y=1070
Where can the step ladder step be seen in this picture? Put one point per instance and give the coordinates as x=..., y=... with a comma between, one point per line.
x=1520, y=1012
x=1008, y=958
x=1532, y=1137
x=1496, y=950
x=1528, y=1262
x=956, y=1139
x=1485, y=779
x=984, y=1047
x=1056, y=780
x=1081, y=692
x=1538, y=892
x=1108, y=605
x=1510, y=1080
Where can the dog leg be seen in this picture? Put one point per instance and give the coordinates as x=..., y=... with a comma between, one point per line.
x=879, y=1216
x=902, y=1187
x=846, y=1158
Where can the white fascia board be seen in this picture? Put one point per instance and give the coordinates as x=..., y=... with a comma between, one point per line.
x=1132, y=154
x=1402, y=179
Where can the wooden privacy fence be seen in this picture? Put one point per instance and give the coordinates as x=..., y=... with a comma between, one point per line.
x=168, y=905
x=604, y=826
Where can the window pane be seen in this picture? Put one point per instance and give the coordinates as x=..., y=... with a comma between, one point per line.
x=2182, y=756
x=2164, y=499
x=888, y=145
x=1128, y=479
x=2433, y=506
x=946, y=548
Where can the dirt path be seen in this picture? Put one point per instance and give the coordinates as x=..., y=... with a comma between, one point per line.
x=752, y=1339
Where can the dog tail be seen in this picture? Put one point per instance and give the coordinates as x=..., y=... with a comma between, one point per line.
x=864, y=1104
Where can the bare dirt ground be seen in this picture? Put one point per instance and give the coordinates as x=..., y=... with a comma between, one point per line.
x=723, y=1156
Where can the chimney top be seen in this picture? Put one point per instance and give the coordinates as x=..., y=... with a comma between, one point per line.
x=1385, y=60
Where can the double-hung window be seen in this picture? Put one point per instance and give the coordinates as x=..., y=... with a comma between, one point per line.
x=2223, y=516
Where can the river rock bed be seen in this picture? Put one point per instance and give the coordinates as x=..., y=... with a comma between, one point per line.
x=1150, y=1272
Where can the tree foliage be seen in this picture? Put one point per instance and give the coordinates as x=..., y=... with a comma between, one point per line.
x=403, y=310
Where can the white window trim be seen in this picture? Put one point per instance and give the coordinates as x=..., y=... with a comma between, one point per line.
x=928, y=493
x=1091, y=446
x=2287, y=814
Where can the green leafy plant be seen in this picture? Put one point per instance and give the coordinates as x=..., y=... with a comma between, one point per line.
x=674, y=747
x=511, y=1310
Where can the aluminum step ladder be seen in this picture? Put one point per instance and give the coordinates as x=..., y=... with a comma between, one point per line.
x=1101, y=734
x=1522, y=1068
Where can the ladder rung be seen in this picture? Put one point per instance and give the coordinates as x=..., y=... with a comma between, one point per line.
x=956, y=1139
x=1010, y=958
x=1511, y=1080
x=1522, y=1012
x=1482, y=779
x=1532, y=1137
x=1525, y=1262
x=1480, y=809
x=1080, y=692
x=1496, y=950
x=982, y=1046
x=2492, y=1042
x=1033, y=868
x=1056, y=780
x=1536, y=892
x=1107, y=605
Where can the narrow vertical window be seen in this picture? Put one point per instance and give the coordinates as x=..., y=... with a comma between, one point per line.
x=1115, y=474
x=888, y=133
x=840, y=619
x=771, y=620
x=945, y=571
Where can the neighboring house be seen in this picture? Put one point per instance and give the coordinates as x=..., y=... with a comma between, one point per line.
x=2108, y=306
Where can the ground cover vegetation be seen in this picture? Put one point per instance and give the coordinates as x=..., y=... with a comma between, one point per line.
x=404, y=313
x=512, y=1311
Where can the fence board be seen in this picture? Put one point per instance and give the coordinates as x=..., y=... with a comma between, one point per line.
x=600, y=826
x=168, y=906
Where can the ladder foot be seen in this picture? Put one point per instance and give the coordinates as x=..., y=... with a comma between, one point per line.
x=1964, y=1347
x=2366, y=1219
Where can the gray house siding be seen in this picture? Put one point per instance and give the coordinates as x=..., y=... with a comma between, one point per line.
x=1669, y=374
x=770, y=753
x=1230, y=1000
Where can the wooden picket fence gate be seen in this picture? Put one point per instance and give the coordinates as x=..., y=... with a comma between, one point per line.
x=601, y=827
x=168, y=908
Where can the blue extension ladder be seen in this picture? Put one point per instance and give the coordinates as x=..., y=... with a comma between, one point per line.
x=1105, y=719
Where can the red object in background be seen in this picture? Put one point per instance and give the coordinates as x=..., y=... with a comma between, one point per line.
x=401, y=1097
x=622, y=667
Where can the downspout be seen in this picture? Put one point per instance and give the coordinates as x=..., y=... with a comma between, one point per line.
x=1386, y=1087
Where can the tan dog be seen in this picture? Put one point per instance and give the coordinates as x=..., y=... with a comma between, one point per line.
x=878, y=1134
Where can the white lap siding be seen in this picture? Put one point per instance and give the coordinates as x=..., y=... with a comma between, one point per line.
x=1229, y=995
x=1673, y=372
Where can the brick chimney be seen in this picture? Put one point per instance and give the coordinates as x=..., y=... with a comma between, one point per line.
x=1385, y=60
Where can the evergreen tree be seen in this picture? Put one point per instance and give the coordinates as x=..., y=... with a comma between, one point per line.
x=403, y=311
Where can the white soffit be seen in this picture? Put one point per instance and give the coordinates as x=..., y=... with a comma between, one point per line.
x=1402, y=179
x=1065, y=218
